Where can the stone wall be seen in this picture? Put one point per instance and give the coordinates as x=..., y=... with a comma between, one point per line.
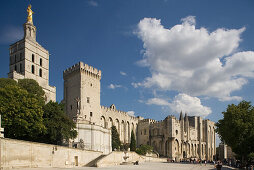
x=17, y=153
x=117, y=157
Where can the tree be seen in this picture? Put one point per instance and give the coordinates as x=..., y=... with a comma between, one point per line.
x=236, y=128
x=143, y=149
x=115, y=138
x=7, y=82
x=59, y=127
x=133, y=142
x=21, y=112
x=33, y=88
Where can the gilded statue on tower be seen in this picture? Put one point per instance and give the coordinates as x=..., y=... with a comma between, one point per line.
x=29, y=14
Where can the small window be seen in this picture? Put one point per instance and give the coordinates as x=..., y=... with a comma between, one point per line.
x=40, y=62
x=40, y=72
x=91, y=84
x=20, y=56
x=15, y=58
x=15, y=67
x=33, y=69
x=91, y=114
x=32, y=57
x=176, y=132
x=141, y=132
x=145, y=132
x=20, y=67
x=71, y=107
x=88, y=99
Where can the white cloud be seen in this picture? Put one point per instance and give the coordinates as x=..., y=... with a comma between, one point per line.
x=131, y=113
x=10, y=34
x=190, y=105
x=136, y=85
x=123, y=73
x=193, y=60
x=114, y=86
x=157, y=101
x=183, y=102
x=93, y=3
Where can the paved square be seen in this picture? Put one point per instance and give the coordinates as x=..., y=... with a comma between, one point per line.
x=145, y=166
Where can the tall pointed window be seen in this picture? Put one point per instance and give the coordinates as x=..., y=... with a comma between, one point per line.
x=33, y=69
x=20, y=67
x=40, y=62
x=20, y=56
x=32, y=57
x=40, y=72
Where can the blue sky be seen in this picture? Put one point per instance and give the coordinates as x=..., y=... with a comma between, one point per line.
x=157, y=56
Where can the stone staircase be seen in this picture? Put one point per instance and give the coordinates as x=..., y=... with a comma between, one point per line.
x=93, y=162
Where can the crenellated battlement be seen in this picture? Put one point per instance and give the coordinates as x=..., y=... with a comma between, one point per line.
x=118, y=111
x=148, y=121
x=84, y=68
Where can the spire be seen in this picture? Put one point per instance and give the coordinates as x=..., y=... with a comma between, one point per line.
x=29, y=28
x=186, y=117
x=181, y=115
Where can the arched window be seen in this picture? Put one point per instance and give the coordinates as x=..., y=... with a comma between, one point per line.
x=32, y=57
x=33, y=69
x=40, y=72
x=20, y=67
x=20, y=56
x=40, y=62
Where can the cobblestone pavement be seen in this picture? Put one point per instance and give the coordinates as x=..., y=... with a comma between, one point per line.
x=145, y=166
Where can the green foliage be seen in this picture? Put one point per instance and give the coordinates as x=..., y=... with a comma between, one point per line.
x=237, y=128
x=33, y=88
x=143, y=149
x=21, y=113
x=25, y=115
x=115, y=138
x=133, y=142
x=7, y=82
x=59, y=127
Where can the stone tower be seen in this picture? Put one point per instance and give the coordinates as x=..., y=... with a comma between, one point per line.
x=28, y=59
x=82, y=92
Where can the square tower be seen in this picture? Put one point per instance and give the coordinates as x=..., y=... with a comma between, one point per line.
x=82, y=92
x=28, y=59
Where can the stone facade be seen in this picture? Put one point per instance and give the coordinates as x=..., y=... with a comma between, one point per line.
x=82, y=104
x=188, y=137
x=24, y=154
x=28, y=59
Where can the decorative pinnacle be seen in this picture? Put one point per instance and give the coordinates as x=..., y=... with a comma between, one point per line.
x=29, y=14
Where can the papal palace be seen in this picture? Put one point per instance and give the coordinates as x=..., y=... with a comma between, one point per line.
x=186, y=137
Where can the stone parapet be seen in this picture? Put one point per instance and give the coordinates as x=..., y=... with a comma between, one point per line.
x=105, y=109
x=84, y=68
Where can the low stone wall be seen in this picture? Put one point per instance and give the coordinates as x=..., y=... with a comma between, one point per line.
x=17, y=153
x=117, y=157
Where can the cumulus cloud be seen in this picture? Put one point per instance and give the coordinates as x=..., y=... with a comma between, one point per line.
x=157, y=101
x=10, y=34
x=93, y=3
x=114, y=86
x=183, y=102
x=131, y=113
x=191, y=105
x=123, y=73
x=193, y=60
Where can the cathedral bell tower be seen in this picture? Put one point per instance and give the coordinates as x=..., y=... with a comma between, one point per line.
x=28, y=59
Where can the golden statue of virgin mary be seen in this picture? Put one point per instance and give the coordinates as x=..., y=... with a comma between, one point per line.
x=29, y=14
